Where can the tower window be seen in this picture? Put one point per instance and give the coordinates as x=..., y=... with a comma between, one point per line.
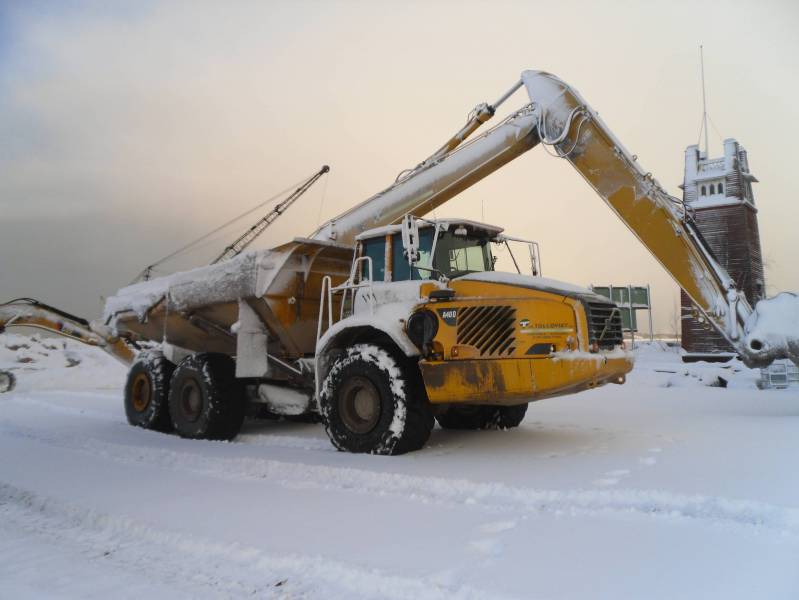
x=712, y=189
x=704, y=191
x=721, y=188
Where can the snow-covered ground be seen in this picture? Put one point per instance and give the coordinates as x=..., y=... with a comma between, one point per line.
x=660, y=488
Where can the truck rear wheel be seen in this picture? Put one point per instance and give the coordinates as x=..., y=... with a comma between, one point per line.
x=482, y=417
x=206, y=400
x=146, y=392
x=374, y=403
x=506, y=417
x=464, y=417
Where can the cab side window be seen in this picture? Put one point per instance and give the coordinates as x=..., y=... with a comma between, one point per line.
x=376, y=250
x=400, y=269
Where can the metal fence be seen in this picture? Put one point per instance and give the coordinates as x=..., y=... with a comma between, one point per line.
x=779, y=375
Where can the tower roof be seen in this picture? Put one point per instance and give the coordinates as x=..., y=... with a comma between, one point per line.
x=718, y=181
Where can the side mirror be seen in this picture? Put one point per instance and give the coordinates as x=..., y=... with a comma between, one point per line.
x=410, y=239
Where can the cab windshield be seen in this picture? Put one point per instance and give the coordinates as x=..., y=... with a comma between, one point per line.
x=458, y=255
x=455, y=255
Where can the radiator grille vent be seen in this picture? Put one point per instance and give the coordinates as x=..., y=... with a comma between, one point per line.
x=489, y=328
x=604, y=324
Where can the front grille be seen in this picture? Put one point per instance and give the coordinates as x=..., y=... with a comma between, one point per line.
x=604, y=324
x=489, y=328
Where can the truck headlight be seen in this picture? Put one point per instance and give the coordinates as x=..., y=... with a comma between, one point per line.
x=422, y=328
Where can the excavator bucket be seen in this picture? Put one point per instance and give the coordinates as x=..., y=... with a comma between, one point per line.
x=27, y=312
x=772, y=331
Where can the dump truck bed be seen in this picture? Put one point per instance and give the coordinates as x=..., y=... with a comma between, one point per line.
x=197, y=309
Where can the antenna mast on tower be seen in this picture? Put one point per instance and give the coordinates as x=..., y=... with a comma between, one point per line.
x=704, y=101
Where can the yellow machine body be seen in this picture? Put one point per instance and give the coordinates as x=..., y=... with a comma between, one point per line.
x=505, y=344
x=530, y=345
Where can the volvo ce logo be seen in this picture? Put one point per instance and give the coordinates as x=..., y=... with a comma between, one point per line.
x=449, y=315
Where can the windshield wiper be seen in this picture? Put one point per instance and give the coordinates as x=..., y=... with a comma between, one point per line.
x=431, y=270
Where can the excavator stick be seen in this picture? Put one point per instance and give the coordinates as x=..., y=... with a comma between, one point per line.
x=568, y=125
x=27, y=312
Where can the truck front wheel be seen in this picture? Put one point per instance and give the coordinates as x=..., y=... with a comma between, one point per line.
x=371, y=402
x=146, y=392
x=206, y=400
x=482, y=417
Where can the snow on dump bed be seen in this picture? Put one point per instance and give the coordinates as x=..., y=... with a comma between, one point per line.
x=223, y=282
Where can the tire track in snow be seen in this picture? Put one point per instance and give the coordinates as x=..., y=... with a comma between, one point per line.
x=34, y=400
x=271, y=440
x=492, y=496
x=206, y=565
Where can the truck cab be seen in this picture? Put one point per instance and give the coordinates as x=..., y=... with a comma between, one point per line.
x=440, y=250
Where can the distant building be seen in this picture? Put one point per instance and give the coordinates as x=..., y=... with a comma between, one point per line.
x=720, y=192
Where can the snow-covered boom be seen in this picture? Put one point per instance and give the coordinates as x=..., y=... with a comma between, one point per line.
x=381, y=319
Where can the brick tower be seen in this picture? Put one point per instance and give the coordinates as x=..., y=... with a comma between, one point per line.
x=720, y=192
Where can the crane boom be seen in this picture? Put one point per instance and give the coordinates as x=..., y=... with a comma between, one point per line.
x=446, y=173
x=433, y=183
x=249, y=236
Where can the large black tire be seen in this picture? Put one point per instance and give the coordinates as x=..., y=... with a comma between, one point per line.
x=310, y=418
x=506, y=417
x=467, y=416
x=373, y=402
x=482, y=417
x=146, y=392
x=206, y=401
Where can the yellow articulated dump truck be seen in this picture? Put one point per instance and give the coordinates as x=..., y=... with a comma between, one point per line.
x=381, y=321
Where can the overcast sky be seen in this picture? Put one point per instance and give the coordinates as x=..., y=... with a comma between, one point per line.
x=128, y=129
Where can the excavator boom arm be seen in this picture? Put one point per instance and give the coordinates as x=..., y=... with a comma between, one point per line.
x=446, y=173
x=661, y=222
